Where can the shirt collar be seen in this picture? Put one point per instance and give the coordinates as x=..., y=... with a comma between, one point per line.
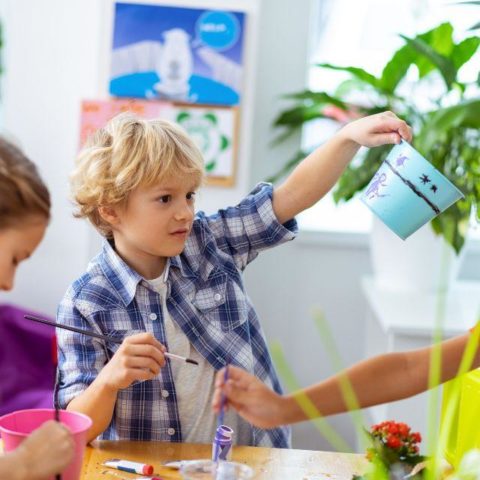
x=122, y=277
x=125, y=280
x=180, y=262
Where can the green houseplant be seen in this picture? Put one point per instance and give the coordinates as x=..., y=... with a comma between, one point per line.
x=446, y=125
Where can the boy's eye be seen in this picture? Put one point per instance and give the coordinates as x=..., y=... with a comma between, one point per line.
x=190, y=195
x=165, y=198
x=15, y=262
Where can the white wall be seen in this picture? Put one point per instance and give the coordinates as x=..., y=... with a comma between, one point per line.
x=52, y=61
x=317, y=270
x=56, y=54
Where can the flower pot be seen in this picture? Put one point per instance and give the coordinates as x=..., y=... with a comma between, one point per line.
x=407, y=191
x=423, y=263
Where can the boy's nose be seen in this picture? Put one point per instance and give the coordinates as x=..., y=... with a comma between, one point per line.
x=184, y=212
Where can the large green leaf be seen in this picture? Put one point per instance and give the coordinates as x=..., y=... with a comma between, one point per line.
x=444, y=64
x=317, y=98
x=396, y=68
x=450, y=224
x=465, y=115
x=464, y=51
x=357, y=72
x=299, y=114
x=440, y=39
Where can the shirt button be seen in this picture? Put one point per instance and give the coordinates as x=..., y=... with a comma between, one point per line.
x=153, y=316
x=165, y=393
x=171, y=431
x=217, y=297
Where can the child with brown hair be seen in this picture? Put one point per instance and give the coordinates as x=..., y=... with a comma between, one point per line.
x=170, y=279
x=24, y=216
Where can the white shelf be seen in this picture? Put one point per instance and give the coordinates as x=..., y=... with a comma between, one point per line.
x=417, y=313
x=400, y=320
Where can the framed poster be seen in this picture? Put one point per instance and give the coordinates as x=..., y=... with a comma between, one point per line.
x=213, y=128
x=176, y=53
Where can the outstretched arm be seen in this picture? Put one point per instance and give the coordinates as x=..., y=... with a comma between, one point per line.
x=318, y=173
x=400, y=375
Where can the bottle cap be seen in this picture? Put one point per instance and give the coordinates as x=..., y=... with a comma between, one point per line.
x=224, y=432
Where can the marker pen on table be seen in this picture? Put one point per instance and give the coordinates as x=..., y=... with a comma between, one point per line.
x=131, y=467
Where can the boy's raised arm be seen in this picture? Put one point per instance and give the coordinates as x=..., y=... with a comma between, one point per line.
x=318, y=172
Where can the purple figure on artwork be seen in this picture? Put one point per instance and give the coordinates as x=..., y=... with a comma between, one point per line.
x=401, y=160
x=377, y=182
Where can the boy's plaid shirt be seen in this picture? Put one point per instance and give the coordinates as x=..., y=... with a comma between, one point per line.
x=206, y=298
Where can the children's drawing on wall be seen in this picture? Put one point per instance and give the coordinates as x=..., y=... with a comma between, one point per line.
x=96, y=113
x=180, y=54
x=213, y=129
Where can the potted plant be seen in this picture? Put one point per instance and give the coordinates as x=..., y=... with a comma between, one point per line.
x=445, y=120
x=393, y=452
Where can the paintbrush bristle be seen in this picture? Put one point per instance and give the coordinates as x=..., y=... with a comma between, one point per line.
x=189, y=360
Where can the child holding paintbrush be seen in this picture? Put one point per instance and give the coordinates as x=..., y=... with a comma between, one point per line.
x=170, y=280
x=400, y=375
x=24, y=216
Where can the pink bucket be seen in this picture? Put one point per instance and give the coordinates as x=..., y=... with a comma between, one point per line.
x=16, y=426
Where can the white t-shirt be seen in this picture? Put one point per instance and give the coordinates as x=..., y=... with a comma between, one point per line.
x=194, y=385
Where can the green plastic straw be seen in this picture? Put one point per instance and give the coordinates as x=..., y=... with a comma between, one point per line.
x=308, y=407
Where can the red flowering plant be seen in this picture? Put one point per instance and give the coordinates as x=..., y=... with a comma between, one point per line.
x=394, y=448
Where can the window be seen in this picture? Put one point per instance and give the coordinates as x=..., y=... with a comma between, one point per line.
x=367, y=37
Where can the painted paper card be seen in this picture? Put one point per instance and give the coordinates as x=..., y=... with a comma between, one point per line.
x=212, y=128
x=96, y=113
x=183, y=54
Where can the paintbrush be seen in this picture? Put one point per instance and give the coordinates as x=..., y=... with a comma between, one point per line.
x=221, y=415
x=105, y=338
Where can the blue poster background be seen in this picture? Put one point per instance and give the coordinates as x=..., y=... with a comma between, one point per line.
x=177, y=53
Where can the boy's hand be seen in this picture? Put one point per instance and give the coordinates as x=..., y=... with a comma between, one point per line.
x=46, y=452
x=253, y=400
x=140, y=357
x=380, y=129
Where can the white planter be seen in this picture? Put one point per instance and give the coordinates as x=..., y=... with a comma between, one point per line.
x=423, y=263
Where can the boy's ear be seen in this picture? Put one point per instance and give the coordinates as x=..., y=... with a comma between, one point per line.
x=109, y=214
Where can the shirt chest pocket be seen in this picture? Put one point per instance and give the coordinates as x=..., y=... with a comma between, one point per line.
x=221, y=302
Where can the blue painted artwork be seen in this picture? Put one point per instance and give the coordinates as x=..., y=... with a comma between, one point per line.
x=408, y=191
x=180, y=54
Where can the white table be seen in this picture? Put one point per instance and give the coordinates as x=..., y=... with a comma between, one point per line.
x=398, y=321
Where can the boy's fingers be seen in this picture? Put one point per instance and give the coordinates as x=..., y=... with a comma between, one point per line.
x=145, y=338
x=386, y=138
x=146, y=351
x=391, y=122
x=140, y=374
x=143, y=363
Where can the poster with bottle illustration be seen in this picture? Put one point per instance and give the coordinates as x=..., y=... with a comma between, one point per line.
x=178, y=54
x=213, y=129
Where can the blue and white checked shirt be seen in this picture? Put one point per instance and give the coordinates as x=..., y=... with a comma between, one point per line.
x=206, y=299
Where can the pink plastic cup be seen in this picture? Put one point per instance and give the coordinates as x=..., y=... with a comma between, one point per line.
x=16, y=426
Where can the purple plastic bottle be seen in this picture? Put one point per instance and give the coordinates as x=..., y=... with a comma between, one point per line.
x=222, y=443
